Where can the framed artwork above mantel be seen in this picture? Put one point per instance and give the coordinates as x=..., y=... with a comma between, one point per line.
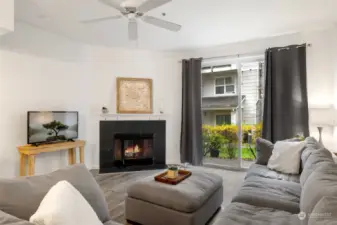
x=134, y=95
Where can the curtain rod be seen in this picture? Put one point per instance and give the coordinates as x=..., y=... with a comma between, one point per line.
x=230, y=56
x=247, y=54
x=291, y=46
x=234, y=55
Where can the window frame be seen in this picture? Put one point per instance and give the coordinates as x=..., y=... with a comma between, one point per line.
x=223, y=114
x=225, y=85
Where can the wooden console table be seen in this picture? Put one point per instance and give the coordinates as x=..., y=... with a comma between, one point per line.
x=29, y=152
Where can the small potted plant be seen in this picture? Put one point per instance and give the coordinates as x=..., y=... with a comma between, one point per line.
x=172, y=172
x=217, y=141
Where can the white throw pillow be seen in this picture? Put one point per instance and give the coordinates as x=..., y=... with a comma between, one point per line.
x=64, y=205
x=286, y=157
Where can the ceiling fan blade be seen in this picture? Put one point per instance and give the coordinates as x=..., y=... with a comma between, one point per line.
x=114, y=4
x=133, y=30
x=161, y=23
x=151, y=4
x=102, y=19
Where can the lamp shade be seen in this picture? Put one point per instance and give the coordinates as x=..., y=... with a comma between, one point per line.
x=6, y=16
x=322, y=117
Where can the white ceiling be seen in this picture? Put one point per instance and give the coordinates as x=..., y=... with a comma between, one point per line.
x=206, y=23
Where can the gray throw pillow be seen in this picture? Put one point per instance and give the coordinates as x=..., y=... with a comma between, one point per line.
x=321, y=183
x=264, y=149
x=325, y=212
x=22, y=196
x=6, y=219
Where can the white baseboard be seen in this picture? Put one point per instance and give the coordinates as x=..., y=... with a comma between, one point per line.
x=94, y=167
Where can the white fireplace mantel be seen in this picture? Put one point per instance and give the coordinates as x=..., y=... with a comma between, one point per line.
x=110, y=116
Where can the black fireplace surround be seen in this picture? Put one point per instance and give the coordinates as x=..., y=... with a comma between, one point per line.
x=130, y=145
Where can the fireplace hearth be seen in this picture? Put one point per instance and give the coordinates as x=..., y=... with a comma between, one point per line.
x=132, y=145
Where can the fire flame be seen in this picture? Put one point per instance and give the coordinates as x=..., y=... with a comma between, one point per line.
x=132, y=149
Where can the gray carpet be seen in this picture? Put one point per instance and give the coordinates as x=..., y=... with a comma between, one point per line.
x=114, y=186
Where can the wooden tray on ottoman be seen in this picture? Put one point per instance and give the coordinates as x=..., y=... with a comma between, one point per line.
x=182, y=175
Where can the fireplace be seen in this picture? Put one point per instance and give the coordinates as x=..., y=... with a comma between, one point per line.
x=132, y=145
x=133, y=149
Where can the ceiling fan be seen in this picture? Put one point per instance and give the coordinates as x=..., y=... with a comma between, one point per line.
x=129, y=10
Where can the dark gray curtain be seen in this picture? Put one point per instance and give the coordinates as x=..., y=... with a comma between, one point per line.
x=285, y=103
x=191, y=133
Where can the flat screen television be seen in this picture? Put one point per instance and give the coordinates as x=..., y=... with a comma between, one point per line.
x=51, y=126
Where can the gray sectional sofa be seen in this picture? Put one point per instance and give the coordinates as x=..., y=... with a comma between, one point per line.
x=21, y=197
x=271, y=198
x=266, y=197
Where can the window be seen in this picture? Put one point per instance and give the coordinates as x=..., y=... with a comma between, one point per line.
x=223, y=119
x=224, y=85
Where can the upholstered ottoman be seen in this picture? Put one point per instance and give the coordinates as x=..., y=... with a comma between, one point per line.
x=191, y=202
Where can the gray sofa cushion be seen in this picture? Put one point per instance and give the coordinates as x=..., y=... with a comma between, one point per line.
x=325, y=212
x=187, y=196
x=313, y=143
x=316, y=159
x=263, y=171
x=264, y=150
x=244, y=214
x=6, y=219
x=304, y=157
x=264, y=192
x=22, y=196
x=310, y=146
x=322, y=182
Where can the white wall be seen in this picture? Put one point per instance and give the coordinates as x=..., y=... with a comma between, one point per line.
x=6, y=16
x=334, y=62
x=164, y=69
x=38, y=71
x=43, y=71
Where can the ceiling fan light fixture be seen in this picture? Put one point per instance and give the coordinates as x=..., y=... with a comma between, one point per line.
x=131, y=15
x=130, y=4
x=134, y=10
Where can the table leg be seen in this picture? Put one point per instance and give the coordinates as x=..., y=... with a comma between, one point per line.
x=74, y=156
x=82, y=154
x=31, y=165
x=23, y=161
x=71, y=156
